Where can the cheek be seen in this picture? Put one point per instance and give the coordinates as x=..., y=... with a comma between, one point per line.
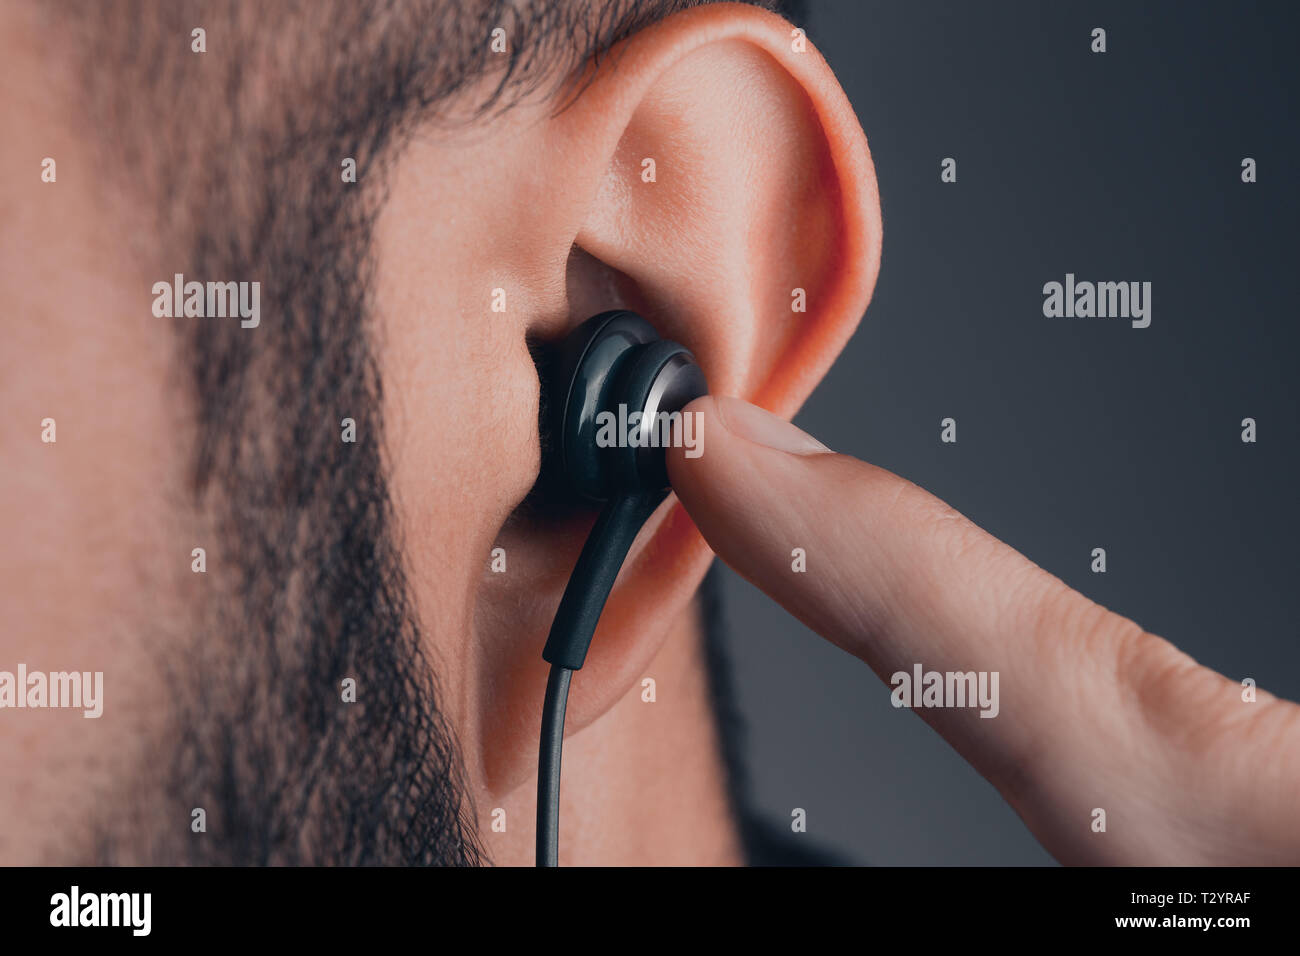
x=460, y=422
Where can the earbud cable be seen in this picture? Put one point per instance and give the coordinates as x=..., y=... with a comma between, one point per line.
x=548, y=766
x=566, y=647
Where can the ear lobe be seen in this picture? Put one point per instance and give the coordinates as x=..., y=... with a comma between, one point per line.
x=752, y=237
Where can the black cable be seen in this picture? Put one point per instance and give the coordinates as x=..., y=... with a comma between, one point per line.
x=548, y=766
x=566, y=648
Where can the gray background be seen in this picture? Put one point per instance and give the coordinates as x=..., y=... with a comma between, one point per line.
x=1072, y=433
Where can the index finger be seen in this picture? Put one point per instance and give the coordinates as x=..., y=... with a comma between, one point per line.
x=1090, y=712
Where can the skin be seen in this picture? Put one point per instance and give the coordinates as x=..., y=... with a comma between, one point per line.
x=763, y=185
x=1095, y=712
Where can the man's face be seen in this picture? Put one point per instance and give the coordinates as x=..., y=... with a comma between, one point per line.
x=212, y=527
x=304, y=553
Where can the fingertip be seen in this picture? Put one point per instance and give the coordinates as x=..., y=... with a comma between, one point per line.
x=681, y=456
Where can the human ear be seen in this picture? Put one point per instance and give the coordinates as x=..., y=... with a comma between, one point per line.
x=712, y=176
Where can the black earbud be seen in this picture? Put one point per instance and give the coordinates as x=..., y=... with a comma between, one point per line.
x=615, y=368
x=614, y=391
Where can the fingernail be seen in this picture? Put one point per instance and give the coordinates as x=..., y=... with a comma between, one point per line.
x=763, y=428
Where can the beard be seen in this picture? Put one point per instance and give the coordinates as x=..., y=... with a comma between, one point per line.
x=309, y=590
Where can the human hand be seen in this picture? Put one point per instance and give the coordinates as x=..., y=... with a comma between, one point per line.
x=1092, y=712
